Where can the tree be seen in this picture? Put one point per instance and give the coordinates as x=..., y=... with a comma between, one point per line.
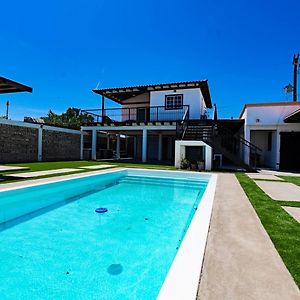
x=72, y=118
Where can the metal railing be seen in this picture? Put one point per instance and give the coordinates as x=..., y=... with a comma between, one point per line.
x=135, y=114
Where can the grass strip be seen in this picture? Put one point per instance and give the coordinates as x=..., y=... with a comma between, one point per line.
x=282, y=228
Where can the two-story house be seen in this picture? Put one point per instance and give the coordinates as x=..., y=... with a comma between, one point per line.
x=146, y=118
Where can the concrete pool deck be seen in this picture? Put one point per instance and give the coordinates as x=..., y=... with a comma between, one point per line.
x=240, y=260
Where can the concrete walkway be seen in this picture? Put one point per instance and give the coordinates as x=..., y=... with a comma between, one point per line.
x=264, y=176
x=97, y=167
x=12, y=168
x=43, y=173
x=240, y=260
x=293, y=211
x=280, y=190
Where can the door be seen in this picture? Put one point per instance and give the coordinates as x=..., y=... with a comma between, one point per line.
x=142, y=114
x=290, y=151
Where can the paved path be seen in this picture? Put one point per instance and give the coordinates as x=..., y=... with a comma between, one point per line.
x=97, y=167
x=43, y=173
x=280, y=190
x=12, y=168
x=293, y=211
x=264, y=176
x=240, y=260
x=278, y=173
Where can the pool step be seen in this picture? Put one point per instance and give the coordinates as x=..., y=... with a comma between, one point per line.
x=190, y=184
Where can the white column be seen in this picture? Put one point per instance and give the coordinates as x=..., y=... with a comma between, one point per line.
x=179, y=154
x=247, y=136
x=40, y=143
x=208, y=158
x=81, y=144
x=94, y=144
x=118, y=146
x=144, y=146
x=108, y=142
x=277, y=134
x=159, y=146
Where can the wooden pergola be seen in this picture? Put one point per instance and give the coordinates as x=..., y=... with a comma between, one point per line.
x=10, y=86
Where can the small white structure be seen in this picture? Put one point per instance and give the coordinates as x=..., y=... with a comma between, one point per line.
x=180, y=152
x=275, y=129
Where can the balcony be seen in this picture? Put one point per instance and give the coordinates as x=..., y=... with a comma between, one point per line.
x=132, y=115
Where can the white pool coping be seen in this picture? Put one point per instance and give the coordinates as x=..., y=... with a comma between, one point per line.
x=183, y=277
x=184, y=274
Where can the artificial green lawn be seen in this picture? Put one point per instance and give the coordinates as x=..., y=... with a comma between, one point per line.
x=292, y=179
x=283, y=229
x=43, y=166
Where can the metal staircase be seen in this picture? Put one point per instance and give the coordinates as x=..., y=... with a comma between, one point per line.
x=221, y=139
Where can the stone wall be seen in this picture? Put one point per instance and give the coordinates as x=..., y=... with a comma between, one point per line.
x=60, y=146
x=18, y=144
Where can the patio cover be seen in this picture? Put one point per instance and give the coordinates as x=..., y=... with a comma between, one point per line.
x=10, y=86
x=121, y=94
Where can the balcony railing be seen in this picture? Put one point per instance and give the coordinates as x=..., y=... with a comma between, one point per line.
x=135, y=114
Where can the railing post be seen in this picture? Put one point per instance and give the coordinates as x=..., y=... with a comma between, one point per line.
x=129, y=114
x=156, y=113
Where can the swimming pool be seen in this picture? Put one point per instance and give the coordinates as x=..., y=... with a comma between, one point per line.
x=55, y=246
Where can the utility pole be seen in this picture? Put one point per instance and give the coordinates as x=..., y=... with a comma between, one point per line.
x=296, y=65
x=7, y=107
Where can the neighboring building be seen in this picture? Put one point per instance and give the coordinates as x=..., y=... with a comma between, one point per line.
x=275, y=129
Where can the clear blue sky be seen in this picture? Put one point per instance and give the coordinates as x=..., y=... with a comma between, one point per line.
x=64, y=48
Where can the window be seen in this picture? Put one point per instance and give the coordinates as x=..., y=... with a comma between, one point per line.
x=174, y=101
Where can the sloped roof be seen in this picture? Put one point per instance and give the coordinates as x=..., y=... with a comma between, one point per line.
x=293, y=117
x=120, y=94
x=10, y=86
x=268, y=104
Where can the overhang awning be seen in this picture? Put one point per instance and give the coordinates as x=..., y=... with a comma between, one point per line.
x=294, y=117
x=120, y=95
x=10, y=86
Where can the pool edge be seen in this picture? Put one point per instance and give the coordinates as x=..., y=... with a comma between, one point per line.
x=183, y=277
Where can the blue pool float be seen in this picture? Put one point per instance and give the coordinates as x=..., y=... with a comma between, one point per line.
x=101, y=210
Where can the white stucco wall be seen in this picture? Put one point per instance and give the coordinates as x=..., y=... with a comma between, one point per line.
x=268, y=115
x=180, y=152
x=191, y=97
x=268, y=118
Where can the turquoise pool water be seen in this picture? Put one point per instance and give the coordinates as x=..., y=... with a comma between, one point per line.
x=54, y=246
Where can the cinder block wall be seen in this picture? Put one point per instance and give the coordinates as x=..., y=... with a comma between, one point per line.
x=18, y=144
x=60, y=146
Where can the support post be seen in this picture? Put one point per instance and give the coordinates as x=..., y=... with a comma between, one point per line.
x=296, y=64
x=159, y=146
x=118, y=147
x=81, y=144
x=103, y=107
x=40, y=143
x=134, y=147
x=108, y=142
x=144, y=146
x=94, y=144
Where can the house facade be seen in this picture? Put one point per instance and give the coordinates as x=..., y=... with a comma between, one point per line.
x=145, y=121
x=275, y=129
